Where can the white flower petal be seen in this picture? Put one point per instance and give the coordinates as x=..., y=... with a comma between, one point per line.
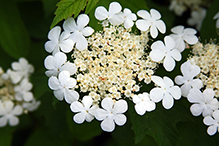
x=175, y=91
x=59, y=94
x=142, y=25
x=120, y=119
x=168, y=82
x=155, y=14
x=153, y=31
x=169, y=63
x=144, y=14
x=140, y=108
x=50, y=46
x=179, y=80
x=169, y=42
x=157, y=80
x=107, y=103
x=195, y=96
x=101, y=13
x=64, y=77
x=190, y=39
x=70, y=96
x=208, y=94
x=79, y=117
x=128, y=23
x=87, y=101
x=114, y=8
x=217, y=23
x=76, y=107
x=167, y=101
x=196, y=83
x=185, y=89
x=175, y=54
x=209, y=120
x=216, y=16
x=156, y=55
x=87, y=31
x=70, y=25
x=66, y=45
x=120, y=106
x=161, y=26
x=13, y=121
x=82, y=21
x=3, y=121
x=117, y=19
x=216, y=115
x=81, y=43
x=178, y=29
x=101, y=114
x=212, y=130
x=108, y=124
x=54, y=83
x=54, y=33
x=150, y=106
x=156, y=94
x=196, y=109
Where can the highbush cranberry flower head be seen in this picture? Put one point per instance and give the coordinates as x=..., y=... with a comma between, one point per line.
x=181, y=35
x=114, y=15
x=189, y=71
x=111, y=113
x=204, y=103
x=150, y=20
x=166, y=91
x=62, y=87
x=213, y=123
x=79, y=30
x=58, y=40
x=57, y=63
x=217, y=17
x=143, y=103
x=166, y=52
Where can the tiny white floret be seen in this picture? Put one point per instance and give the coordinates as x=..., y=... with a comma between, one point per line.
x=213, y=123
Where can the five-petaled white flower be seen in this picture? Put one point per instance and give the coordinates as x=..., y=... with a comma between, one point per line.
x=57, y=63
x=21, y=69
x=23, y=91
x=167, y=51
x=204, y=102
x=143, y=103
x=84, y=110
x=180, y=35
x=197, y=17
x=166, y=92
x=114, y=16
x=129, y=17
x=112, y=113
x=213, y=123
x=62, y=87
x=57, y=41
x=151, y=20
x=189, y=71
x=79, y=30
x=217, y=17
x=8, y=113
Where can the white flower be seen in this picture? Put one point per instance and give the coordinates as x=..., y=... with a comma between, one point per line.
x=143, y=103
x=167, y=51
x=23, y=91
x=129, y=17
x=21, y=69
x=112, y=113
x=78, y=30
x=84, y=110
x=197, y=18
x=31, y=106
x=114, y=16
x=217, y=17
x=62, y=85
x=213, y=123
x=178, y=9
x=166, y=92
x=8, y=113
x=180, y=35
x=204, y=102
x=189, y=71
x=57, y=41
x=57, y=63
x=151, y=20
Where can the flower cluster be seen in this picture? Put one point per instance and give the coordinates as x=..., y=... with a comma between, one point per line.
x=16, y=97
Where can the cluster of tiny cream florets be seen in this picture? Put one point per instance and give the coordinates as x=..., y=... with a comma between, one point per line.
x=16, y=96
x=207, y=58
x=115, y=58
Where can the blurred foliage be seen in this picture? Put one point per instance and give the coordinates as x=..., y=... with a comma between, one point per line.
x=24, y=25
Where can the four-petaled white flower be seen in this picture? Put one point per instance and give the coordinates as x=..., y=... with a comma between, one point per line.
x=180, y=35
x=217, y=17
x=8, y=113
x=23, y=91
x=62, y=87
x=204, y=102
x=57, y=63
x=151, y=20
x=166, y=92
x=112, y=113
x=79, y=30
x=189, y=71
x=213, y=123
x=114, y=16
x=167, y=51
x=21, y=69
x=129, y=17
x=84, y=110
x=57, y=41
x=143, y=103
x=197, y=17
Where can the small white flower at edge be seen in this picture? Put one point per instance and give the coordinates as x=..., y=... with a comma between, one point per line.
x=114, y=16
x=129, y=17
x=204, y=103
x=111, y=113
x=79, y=30
x=143, y=103
x=62, y=85
x=167, y=51
x=84, y=110
x=217, y=17
x=57, y=63
x=189, y=71
x=213, y=123
x=57, y=41
x=8, y=113
x=166, y=91
x=151, y=20
x=182, y=35
x=197, y=17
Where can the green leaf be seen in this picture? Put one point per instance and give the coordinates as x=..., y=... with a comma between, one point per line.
x=6, y=135
x=14, y=38
x=90, y=5
x=67, y=8
x=159, y=124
